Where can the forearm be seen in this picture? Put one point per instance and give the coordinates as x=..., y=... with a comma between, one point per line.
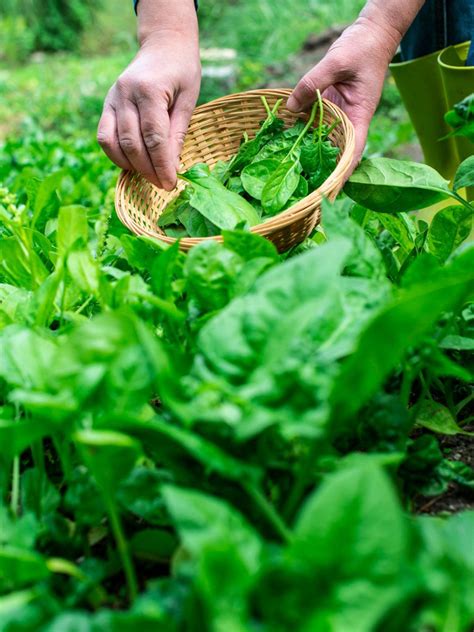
x=392, y=18
x=161, y=17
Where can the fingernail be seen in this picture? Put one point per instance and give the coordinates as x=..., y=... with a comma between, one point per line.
x=293, y=104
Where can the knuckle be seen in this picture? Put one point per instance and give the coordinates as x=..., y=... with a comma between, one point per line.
x=123, y=84
x=308, y=86
x=180, y=136
x=153, y=140
x=128, y=144
x=105, y=140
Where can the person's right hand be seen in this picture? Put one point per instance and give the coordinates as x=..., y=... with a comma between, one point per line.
x=147, y=111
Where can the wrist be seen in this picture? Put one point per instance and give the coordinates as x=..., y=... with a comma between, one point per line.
x=160, y=20
x=390, y=20
x=168, y=37
x=384, y=39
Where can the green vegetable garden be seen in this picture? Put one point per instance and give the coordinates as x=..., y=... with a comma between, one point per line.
x=233, y=438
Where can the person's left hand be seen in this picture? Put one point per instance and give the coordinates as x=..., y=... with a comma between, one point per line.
x=351, y=75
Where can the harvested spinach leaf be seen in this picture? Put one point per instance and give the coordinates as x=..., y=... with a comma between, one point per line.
x=272, y=171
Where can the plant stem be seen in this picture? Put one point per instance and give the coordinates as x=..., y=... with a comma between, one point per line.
x=269, y=512
x=301, y=482
x=333, y=126
x=123, y=550
x=304, y=132
x=464, y=202
x=15, y=495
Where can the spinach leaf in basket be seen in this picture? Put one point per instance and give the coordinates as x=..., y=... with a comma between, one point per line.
x=280, y=186
x=283, y=182
x=172, y=213
x=221, y=207
x=318, y=155
x=255, y=176
x=250, y=147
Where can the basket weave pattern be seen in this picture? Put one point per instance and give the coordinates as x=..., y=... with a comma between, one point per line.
x=214, y=134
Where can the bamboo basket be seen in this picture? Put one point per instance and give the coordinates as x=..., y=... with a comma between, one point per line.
x=214, y=134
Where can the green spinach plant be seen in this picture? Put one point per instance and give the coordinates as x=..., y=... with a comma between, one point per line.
x=183, y=437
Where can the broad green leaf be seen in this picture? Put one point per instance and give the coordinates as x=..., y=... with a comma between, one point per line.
x=391, y=186
x=234, y=340
x=160, y=437
x=18, y=532
x=439, y=419
x=84, y=271
x=365, y=259
x=445, y=551
x=280, y=186
x=449, y=228
x=226, y=553
x=343, y=568
x=141, y=252
x=45, y=197
x=16, y=436
x=400, y=227
x=465, y=174
x=19, y=568
x=362, y=534
x=72, y=228
x=400, y=325
x=249, y=245
x=26, y=357
x=109, y=455
x=20, y=265
x=196, y=225
x=140, y=494
x=220, y=206
x=255, y=176
x=203, y=521
x=211, y=274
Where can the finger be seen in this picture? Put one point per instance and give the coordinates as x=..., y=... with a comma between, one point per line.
x=179, y=123
x=155, y=130
x=318, y=78
x=107, y=137
x=131, y=141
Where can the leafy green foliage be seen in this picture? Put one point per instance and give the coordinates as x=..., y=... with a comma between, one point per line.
x=185, y=436
x=270, y=172
x=461, y=118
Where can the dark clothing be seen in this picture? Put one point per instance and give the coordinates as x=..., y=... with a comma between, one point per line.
x=439, y=24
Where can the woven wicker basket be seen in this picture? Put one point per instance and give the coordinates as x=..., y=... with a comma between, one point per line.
x=215, y=133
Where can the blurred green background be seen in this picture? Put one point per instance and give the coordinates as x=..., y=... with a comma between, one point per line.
x=58, y=58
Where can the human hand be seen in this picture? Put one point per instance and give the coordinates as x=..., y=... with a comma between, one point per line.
x=147, y=111
x=351, y=75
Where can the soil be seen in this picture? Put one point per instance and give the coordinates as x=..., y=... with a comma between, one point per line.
x=292, y=69
x=456, y=498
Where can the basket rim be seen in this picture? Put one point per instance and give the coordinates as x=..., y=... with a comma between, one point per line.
x=306, y=206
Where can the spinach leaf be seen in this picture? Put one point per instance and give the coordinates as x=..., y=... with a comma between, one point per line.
x=465, y=174
x=171, y=214
x=449, y=228
x=221, y=207
x=400, y=324
x=461, y=118
x=255, y=176
x=390, y=186
x=280, y=186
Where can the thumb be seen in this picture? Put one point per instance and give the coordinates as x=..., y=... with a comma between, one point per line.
x=321, y=77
